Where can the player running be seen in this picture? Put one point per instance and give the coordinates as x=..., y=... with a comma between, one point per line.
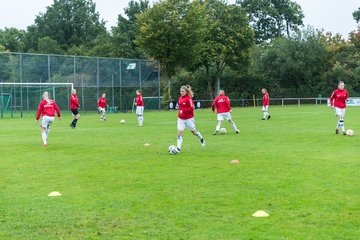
x=139, y=107
x=266, y=103
x=223, y=109
x=186, y=116
x=338, y=102
x=102, y=106
x=74, y=108
x=47, y=109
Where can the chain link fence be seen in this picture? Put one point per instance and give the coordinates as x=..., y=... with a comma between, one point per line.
x=91, y=76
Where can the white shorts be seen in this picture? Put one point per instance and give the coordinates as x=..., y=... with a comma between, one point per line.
x=139, y=110
x=101, y=110
x=46, y=121
x=188, y=123
x=265, y=108
x=340, y=112
x=222, y=116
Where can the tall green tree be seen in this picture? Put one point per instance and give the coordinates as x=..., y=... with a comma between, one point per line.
x=171, y=31
x=125, y=32
x=273, y=18
x=227, y=39
x=356, y=15
x=12, y=39
x=68, y=22
x=47, y=45
x=295, y=66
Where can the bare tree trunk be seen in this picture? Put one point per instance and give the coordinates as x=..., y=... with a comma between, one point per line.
x=287, y=29
x=217, y=83
x=209, y=83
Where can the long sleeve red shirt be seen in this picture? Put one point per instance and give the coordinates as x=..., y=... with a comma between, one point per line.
x=47, y=108
x=222, y=104
x=74, y=101
x=186, y=107
x=102, y=102
x=266, y=101
x=139, y=101
x=338, y=98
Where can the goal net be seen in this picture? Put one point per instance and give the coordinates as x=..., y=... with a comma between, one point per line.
x=22, y=99
x=149, y=103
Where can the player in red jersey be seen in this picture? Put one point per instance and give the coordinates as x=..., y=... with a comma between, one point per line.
x=186, y=116
x=266, y=103
x=74, y=108
x=47, y=109
x=102, y=107
x=338, y=102
x=139, y=102
x=223, y=107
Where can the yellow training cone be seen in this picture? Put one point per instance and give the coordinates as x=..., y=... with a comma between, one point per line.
x=260, y=213
x=54, y=194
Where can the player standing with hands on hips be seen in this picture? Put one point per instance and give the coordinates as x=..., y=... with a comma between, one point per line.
x=266, y=103
x=338, y=103
x=186, y=116
x=47, y=109
x=223, y=108
x=102, y=107
x=139, y=102
x=74, y=108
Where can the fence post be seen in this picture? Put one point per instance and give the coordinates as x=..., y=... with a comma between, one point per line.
x=299, y=102
x=159, y=69
x=120, y=79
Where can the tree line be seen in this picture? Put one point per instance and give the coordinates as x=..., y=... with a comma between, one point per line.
x=208, y=44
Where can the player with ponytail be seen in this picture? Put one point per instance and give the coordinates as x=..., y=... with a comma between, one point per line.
x=186, y=116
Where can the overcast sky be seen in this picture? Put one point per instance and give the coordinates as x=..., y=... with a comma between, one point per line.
x=330, y=15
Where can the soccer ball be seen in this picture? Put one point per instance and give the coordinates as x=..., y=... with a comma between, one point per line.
x=350, y=132
x=222, y=130
x=173, y=150
x=122, y=121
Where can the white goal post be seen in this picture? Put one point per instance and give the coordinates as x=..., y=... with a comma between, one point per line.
x=19, y=106
x=37, y=84
x=145, y=98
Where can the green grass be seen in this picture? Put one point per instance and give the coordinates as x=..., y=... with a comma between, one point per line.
x=294, y=167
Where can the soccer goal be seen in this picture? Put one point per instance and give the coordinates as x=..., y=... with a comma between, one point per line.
x=18, y=99
x=149, y=102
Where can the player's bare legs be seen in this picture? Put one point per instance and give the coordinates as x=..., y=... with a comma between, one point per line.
x=218, y=126
x=200, y=137
x=233, y=125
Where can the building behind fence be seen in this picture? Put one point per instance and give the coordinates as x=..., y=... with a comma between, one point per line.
x=91, y=76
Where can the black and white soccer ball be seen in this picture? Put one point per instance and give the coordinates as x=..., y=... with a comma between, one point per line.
x=172, y=150
x=350, y=132
x=222, y=130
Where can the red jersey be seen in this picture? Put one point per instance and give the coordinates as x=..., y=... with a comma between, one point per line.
x=186, y=107
x=266, y=101
x=74, y=101
x=139, y=101
x=222, y=104
x=102, y=102
x=338, y=98
x=47, y=108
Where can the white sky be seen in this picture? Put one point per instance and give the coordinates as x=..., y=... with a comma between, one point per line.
x=330, y=15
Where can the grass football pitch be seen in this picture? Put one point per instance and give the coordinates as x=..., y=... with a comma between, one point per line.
x=293, y=167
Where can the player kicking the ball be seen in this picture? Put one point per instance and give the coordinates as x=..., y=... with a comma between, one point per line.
x=47, y=109
x=223, y=107
x=74, y=108
x=102, y=106
x=186, y=116
x=139, y=102
x=338, y=103
x=266, y=103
